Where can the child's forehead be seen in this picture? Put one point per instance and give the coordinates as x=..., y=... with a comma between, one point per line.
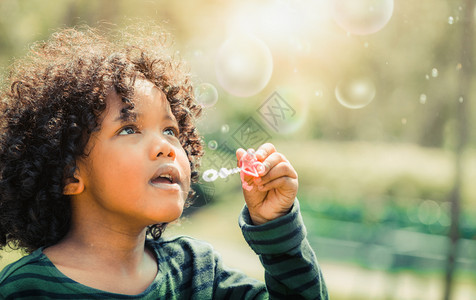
x=147, y=95
x=146, y=88
x=146, y=98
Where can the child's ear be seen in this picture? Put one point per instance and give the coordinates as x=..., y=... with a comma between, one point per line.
x=74, y=186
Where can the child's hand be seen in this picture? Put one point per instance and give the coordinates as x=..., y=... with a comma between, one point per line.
x=274, y=192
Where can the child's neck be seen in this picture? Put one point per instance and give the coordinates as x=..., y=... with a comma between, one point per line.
x=88, y=253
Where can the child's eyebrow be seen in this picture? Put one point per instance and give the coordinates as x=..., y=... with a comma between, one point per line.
x=126, y=115
x=171, y=118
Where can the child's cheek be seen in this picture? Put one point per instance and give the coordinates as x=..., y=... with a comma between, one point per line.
x=184, y=162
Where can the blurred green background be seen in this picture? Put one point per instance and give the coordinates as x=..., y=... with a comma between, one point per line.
x=370, y=100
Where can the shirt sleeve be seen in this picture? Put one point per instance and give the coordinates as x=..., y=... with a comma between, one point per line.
x=291, y=267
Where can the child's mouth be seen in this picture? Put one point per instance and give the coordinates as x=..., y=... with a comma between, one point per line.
x=166, y=177
x=163, y=179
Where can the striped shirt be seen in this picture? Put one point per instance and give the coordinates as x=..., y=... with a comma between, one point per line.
x=191, y=269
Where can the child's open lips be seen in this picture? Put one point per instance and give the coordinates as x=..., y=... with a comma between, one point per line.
x=166, y=176
x=163, y=179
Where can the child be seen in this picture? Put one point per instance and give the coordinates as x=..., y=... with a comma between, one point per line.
x=98, y=149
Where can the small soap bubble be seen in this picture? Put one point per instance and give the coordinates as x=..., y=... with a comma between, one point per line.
x=434, y=72
x=362, y=16
x=451, y=20
x=244, y=65
x=225, y=128
x=319, y=93
x=404, y=121
x=212, y=145
x=366, y=45
x=206, y=94
x=461, y=99
x=198, y=53
x=427, y=77
x=429, y=212
x=423, y=98
x=355, y=93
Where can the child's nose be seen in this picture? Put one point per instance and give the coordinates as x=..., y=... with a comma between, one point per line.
x=162, y=148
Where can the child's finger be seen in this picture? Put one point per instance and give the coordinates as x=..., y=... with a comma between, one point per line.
x=282, y=183
x=264, y=151
x=239, y=154
x=271, y=161
x=281, y=169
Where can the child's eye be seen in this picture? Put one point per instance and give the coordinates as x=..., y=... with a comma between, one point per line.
x=171, y=131
x=128, y=130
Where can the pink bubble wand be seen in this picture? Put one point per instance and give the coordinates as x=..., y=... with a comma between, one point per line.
x=248, y=164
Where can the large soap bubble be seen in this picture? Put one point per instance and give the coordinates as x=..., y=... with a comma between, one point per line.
x=362, y=16
x=206, y=94
x=244, y=65
x=355, y=93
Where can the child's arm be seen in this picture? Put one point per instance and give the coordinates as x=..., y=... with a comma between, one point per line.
x=273, y=227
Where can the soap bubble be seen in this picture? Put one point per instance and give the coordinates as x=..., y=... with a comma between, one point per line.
x=429, y=212
x=423, y=98
x=213, y=145
x=225, y=128
x=206, y=94
x=355, y=93
x=434, y=72
x=362, y=16
x=244, y=65
x=451, y=20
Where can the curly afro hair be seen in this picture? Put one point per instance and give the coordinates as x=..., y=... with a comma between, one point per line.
x=51, y=105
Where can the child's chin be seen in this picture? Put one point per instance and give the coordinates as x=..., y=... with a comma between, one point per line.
x=174, y=212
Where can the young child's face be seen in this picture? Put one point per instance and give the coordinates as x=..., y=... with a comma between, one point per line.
x=137, y=170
